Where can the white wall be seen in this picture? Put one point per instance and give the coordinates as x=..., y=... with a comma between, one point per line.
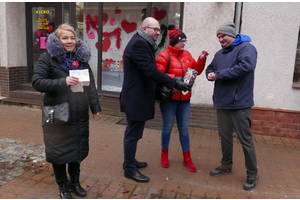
x=13, y=35
x=273, y=28
x=201, y=21
x=3, y=35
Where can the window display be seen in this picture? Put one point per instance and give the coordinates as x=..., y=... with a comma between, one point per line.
x=120, y=22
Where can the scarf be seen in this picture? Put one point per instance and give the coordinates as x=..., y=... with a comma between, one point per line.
x=144, y=35
x=70, y=63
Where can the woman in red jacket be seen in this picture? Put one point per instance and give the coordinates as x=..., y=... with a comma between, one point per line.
x=179, y=105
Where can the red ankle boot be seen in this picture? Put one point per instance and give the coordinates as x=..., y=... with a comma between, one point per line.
x=164, y=161
x=187, y=161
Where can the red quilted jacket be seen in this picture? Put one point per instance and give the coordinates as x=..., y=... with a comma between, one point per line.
x=180, y=62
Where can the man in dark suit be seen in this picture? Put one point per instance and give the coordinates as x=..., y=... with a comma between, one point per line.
x=137, y=98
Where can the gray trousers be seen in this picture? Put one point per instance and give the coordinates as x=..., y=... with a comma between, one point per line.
x=240, y=121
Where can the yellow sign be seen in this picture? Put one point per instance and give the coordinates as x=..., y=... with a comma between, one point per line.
x=42, y=12
x=42, y=23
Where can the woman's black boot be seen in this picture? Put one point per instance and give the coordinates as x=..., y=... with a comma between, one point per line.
x=64, y=191
x=76, y=187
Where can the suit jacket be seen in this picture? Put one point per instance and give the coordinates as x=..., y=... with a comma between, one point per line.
x=137, y=98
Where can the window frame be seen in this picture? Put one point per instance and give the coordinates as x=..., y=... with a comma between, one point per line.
x=296, y=85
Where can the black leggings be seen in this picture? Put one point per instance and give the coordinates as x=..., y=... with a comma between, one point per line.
x=61, y=173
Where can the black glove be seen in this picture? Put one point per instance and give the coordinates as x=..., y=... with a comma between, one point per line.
x=181, y=86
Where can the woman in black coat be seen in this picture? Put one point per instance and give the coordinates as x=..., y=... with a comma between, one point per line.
x=66, y=143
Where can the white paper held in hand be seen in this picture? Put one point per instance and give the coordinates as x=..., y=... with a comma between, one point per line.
x=84, y=79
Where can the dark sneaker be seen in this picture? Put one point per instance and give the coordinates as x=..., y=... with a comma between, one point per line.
x=250, y=182
x=220, y=171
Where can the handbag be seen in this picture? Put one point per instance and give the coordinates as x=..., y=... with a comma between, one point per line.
x=57, y=114
x=164, y=93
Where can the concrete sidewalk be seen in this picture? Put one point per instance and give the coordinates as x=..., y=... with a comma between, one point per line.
x=103, y=177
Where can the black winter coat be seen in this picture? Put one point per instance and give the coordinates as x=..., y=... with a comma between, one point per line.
x=66, y=143
x=140, y=77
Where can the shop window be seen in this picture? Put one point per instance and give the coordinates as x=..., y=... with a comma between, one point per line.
x=87, y=30
x=119, y=23
x=166, y=13
x=296, y=79
x=66, y=12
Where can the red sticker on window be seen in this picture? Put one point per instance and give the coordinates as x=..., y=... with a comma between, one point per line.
x=75, y=63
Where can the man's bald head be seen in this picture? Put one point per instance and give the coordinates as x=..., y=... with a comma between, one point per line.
x=151, y=27
x=150, y=21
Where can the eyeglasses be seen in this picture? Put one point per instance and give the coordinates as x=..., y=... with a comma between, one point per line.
x=155, y=29
x=183, y=41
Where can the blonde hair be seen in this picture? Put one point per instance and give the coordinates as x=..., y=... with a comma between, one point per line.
x=65, y=27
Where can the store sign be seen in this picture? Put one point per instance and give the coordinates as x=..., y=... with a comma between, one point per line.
x=42, y=12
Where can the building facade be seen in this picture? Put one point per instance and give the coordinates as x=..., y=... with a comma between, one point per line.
x=272, y=26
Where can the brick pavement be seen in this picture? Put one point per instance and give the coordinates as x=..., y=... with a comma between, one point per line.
x=102, y=173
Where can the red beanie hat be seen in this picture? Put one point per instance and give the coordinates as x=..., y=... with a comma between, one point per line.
x=174, y=35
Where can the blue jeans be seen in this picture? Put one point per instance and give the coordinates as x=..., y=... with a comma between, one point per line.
x=182, y=112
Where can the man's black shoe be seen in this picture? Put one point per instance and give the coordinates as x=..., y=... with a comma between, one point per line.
x=136, y=176
x=250, y=182
x=220, y=171
x=139, y=165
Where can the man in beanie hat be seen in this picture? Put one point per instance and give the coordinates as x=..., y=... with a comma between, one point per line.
x=232, y=69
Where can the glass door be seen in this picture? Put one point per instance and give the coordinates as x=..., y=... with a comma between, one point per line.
x=42, y=19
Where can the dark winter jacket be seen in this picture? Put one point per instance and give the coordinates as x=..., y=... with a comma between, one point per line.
x=137, y=98
x=179, y=63
x=69, y=142
x=234, y=68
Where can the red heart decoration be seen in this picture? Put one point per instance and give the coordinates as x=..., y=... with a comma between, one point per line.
x=128, y=27
x=109, y=61
x=104, y=18
x=49, y=28
x=39, y=32
x=96, y=45
x=117, y=10
x=158, y=15
x=105, y=44
x=95, y=19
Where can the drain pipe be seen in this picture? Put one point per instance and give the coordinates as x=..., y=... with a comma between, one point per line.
x=238, y=16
